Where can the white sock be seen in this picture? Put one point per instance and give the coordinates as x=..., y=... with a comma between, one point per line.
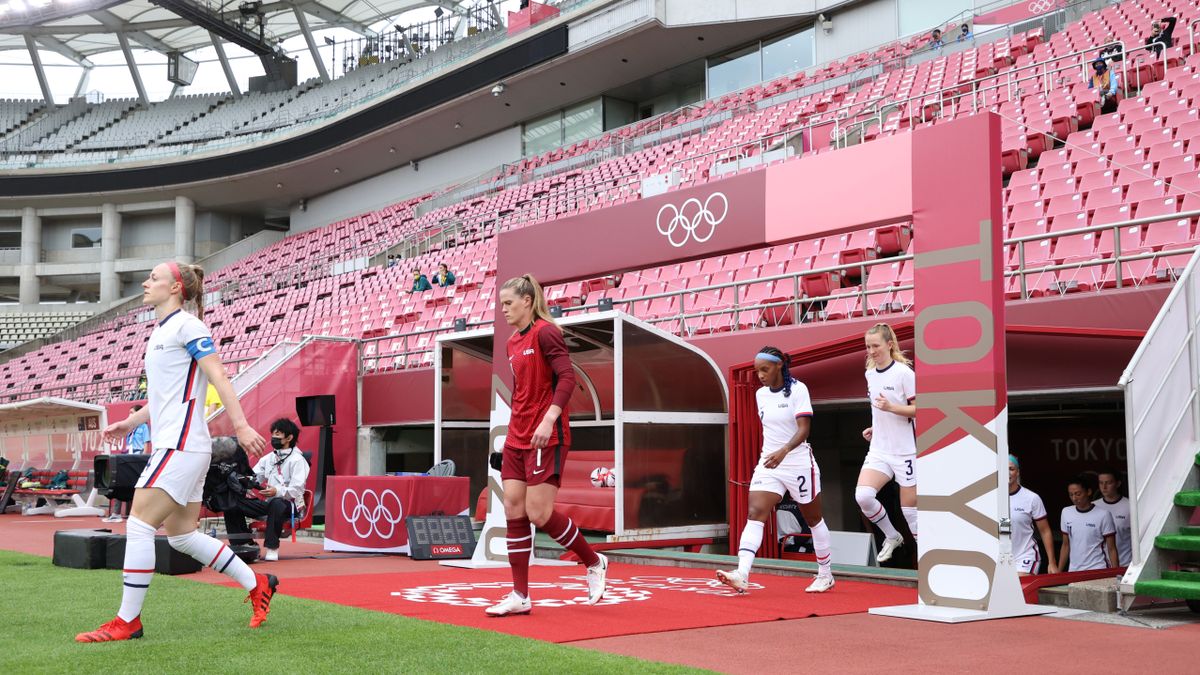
x=138, y=567
x=874, y=511
x=910, y=514
x=216, y=555
x=751, y=539
x=821, y=544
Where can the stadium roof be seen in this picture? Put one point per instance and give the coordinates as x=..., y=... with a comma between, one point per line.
x=80, y=28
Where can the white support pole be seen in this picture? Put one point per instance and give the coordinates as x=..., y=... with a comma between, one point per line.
x=225, y=66
x=302, y=21
x=36, y=58
x=133, y=69
x=84, y=78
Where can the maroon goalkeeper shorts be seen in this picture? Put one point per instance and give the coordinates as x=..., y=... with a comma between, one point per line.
x=534, y=466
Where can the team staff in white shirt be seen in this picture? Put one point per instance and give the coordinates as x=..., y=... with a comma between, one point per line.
x=1117, y=505
x=284, y=473
x=786, y=464
x=1026, y=511
x=1089, y=536
x=892, y=390
x=180, y=361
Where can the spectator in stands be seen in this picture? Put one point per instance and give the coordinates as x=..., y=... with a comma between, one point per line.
x=1161, y=36
x=1117, y=505
x=420, y=282
x=444, y=276
x=1104, y=81
x=284, y=474
x=1027, y=512
x=965, y=33
x=935, y=39
x=391, y=261
x=1112, y=50
x=1089, y=535
x=141, y=387
x=136, y=441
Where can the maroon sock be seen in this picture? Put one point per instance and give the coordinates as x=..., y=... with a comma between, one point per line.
x=520, y=547
x=569, y=537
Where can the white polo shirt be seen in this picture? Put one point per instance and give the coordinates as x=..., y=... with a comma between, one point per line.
x=778, y=414
x=174, y=381
x=892, y=434
x=1119, y=511
x=1087, y=530
x=1025, y=509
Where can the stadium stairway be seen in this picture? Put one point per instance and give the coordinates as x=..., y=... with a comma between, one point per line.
x=1184, y=548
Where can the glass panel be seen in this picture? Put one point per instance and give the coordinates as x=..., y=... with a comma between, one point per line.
x=917, y=16
x=466, y=385
x=733, y=71
x=787, y=54
x=543, y=134
x=674, y=475
x=662, y=375
x=85, y=237
x=469, y=450
x=582, y=122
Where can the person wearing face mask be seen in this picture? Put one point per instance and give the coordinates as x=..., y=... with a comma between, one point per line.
x=283, y=473
x=1104, y=82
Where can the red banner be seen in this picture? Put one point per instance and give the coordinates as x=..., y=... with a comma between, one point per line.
x=366, y=513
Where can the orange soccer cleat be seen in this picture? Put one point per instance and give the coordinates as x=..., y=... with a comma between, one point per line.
x=260, y=598
x=117, y=629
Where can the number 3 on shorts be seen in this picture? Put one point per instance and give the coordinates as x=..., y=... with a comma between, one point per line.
x=908, y=467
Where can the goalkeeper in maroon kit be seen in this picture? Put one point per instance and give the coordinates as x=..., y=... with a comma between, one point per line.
x=538, y=440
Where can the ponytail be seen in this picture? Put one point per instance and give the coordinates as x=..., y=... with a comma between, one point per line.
x=786, y=364
x=528, y=287
x=885, y=331
x=191, y=277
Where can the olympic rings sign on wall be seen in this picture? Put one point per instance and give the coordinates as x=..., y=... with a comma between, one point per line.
x=685, y=222
x=370, y=513
x=1041, y=6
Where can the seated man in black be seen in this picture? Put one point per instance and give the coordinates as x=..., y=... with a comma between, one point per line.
x=1162, y=34
x=283, y=473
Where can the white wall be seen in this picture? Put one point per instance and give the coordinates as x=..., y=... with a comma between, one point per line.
x=857, y=28
x=691, y=12
x=465, y=161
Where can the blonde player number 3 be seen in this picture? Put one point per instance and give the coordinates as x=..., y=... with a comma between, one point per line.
x=892, y=390
x=180, y=362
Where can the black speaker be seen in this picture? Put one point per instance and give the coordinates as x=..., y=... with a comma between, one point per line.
x=166, y=559
x=460, y=325
x=556, y=311
x=316, y=411
x=605, y=304
x=81, y=549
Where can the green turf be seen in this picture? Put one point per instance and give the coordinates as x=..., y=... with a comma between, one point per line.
x=194, y=627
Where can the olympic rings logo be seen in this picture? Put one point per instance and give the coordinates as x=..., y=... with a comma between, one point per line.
x=688, y=218
x=1041, y=6
x=370, y=513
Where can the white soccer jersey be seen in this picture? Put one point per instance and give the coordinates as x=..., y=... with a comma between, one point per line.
x=778, y=414
x=174, y=381
x=1025, y=509
x=1120, y=514
x=892, y=434
x=1087, y=530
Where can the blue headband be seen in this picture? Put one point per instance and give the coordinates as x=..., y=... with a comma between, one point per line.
x=767, y=357
x=1014, y=461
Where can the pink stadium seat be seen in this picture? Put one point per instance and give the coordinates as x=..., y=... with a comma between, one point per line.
x=1158, y=206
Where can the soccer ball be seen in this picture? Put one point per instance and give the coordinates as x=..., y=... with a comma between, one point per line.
x=610, y=479
x=602, y=477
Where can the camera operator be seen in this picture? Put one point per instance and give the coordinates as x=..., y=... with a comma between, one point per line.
x=280, y=477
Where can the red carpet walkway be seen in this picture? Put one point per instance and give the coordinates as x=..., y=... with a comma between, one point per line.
x=640, y=599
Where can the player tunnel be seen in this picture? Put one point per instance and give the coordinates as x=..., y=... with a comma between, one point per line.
x=647, y=406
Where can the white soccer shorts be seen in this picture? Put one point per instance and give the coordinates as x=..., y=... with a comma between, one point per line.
x=903, y=469
x=179, y=474
x=800, y=479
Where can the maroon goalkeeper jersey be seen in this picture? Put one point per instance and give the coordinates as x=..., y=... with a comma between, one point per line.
x=542, y=376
